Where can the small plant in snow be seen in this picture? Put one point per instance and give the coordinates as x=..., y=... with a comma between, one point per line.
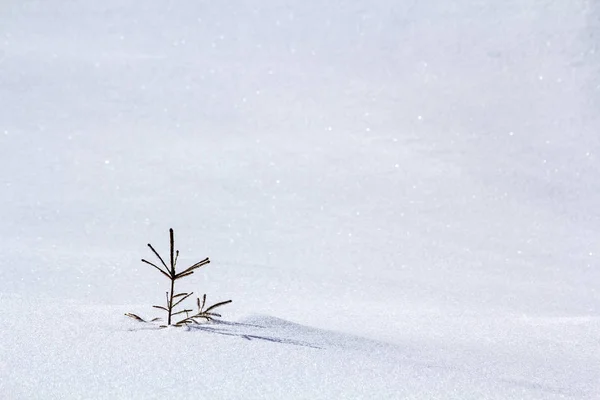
x=175, y=299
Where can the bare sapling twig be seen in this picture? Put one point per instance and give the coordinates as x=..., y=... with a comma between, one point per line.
x=206, y=315
x=175, y=299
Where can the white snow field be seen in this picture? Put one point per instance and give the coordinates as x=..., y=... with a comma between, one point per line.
x=402, y=198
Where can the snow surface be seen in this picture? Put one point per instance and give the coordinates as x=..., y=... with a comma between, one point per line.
x=401, y=198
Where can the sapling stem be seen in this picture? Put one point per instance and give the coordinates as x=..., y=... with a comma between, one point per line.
x=172, y=236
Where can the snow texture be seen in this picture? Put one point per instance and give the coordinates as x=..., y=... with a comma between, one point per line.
x=401, y=198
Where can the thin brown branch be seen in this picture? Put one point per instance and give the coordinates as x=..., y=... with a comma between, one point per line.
x=160, y=270
x=182, y=299
x=158, y=255
x=185, y=321
x=182, y=275
x=136, y=317
x=217, y=305
x=200, y=308
x=172, y=250
x=195, y=266
x=181, y=312
x=176, y=257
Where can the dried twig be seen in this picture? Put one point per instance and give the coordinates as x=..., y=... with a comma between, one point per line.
x=203, y=314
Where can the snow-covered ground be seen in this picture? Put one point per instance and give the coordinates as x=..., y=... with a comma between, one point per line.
x=401, y=198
